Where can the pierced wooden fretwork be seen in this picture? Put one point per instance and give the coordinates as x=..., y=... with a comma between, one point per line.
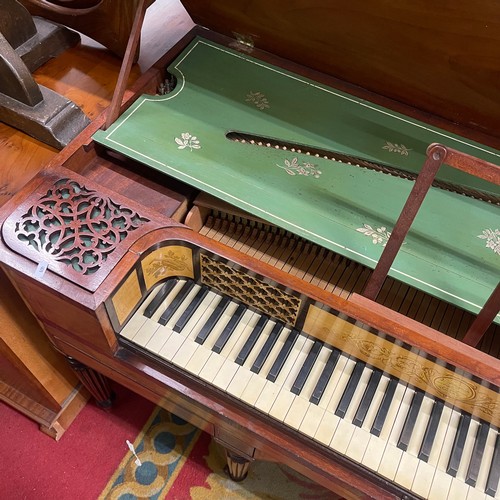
x=77, y=226
x=250, y=290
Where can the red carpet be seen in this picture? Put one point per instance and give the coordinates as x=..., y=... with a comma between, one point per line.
x=79, y=465
x=92, y=460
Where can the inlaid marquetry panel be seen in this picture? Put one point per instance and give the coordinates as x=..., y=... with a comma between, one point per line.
x=456, y=388
x=171, y=260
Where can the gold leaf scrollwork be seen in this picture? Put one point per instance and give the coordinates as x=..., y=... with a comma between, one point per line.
x=167, y=263
x=454, y=388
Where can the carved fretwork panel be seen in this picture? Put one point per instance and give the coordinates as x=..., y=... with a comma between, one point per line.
x=76, y=228
x=250, y=290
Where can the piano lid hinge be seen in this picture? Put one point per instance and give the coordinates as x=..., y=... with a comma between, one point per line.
x=243, y=43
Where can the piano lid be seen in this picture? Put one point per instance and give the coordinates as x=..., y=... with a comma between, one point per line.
x=440, y=57
x=345, y=208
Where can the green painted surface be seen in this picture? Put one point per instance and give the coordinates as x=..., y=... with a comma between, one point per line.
x=336, y=204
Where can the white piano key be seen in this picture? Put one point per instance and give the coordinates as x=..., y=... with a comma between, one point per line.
x=282, y=404
x=259, y=344
x=484, y=470
x=134, y=324
x=147, y=331
x=181, y=346
x=266, y=367
x=291, y=360
x=253, y=389
x=390, y=461
x=189, y=347
x=420, y=425
x=144, y=327
x=425, y=472
x=342, y=437
x=180, y=308
x=315, y=372
x=287, y=376
x=239, y=337
x=458, y=490
x=441, y=481
x=392, y=412
x=219, y=326
x=268, y=396
x=202, y=352
x=185, y=352
x=376, y=402
x=358, y=444
x=327, y=428
x=374, y=452
x=407, y=470
x=445, y=433
x=156, y=338
x=392, y=454
x=468, y=447
x=225, y=374
x=239, y=381
x=171, y=347
x=475, y=494
x=447, y=446
x=198, y=360
x=403, y=410
x=440, y=486
x=296, y=412
x=331, y=387
x=342, y=381
x=166, y=301
x=311, y=420
x=212, y=367
x=424, y=476
x=358, y=394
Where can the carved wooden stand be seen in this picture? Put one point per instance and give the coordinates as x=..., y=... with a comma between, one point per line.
x=94, y=382
x=237, y=466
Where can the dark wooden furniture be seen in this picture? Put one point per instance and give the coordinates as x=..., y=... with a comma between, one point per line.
x=26, y=44
x=108, y=22
x=87, y=299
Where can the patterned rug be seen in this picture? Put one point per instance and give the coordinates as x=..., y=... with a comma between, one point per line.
x=179, y=462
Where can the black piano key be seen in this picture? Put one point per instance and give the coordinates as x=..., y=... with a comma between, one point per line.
x=304, y=372
x=430, y=431
x=352, y=384
x=252, y=339
x=458, y=445
x=229, y=329
x=367, y=398
x=411, y=417
x=282, y=355
x=494, y=474
x=179, y=298
x=266, y=348
x=160, y=296
x=378, y=422
x=325, y=376
x=477, y=454
x=190, y=309
x=212, y=320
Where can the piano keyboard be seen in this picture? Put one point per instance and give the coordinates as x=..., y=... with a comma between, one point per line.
x=338, y=274
x=399, y=432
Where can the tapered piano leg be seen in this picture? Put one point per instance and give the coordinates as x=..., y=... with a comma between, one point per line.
x=96, y=384
x=237, y=466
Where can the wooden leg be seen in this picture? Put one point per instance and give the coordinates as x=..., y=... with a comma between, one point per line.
x=237, y=466
x=95, y=383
